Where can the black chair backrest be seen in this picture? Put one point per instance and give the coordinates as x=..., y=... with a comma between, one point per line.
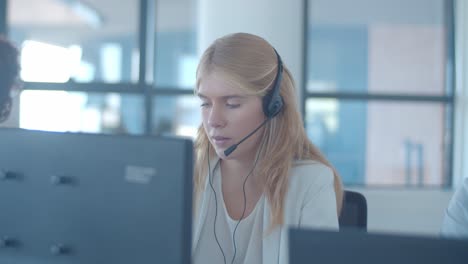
x=354, y=211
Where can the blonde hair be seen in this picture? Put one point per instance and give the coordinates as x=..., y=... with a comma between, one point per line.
x=250, y=63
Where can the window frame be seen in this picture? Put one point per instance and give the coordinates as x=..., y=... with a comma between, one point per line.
x=448, y=99
x=146, y=87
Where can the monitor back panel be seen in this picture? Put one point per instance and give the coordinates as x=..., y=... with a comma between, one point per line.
x=77, y=198
x=350, y=246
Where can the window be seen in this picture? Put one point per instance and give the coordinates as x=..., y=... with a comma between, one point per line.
x=378, y=75
x=378, y=92
x=100, y=67
x=176, y=44
x=80, y=41
x=82, y=112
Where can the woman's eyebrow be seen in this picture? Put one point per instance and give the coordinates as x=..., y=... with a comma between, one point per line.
x=233, y=97
x=225, y=97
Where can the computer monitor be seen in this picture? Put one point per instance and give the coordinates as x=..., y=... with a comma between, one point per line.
x=83, y=198
x=353, y=246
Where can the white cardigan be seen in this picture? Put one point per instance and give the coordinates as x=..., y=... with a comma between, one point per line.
x=455, y=222
x=310, y=202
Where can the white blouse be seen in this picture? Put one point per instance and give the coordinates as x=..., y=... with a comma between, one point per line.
x=455, y=223
x=309, y=203
x=248, y=236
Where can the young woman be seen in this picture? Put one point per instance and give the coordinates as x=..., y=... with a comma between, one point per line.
x=256, y=172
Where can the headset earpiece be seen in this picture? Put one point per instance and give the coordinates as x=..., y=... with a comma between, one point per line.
x=272, y=101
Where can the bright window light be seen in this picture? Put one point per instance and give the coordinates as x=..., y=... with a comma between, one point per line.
x=43, y=62
x=58, y=111
x=187, y=131
x=187, y=69
x=111, y=58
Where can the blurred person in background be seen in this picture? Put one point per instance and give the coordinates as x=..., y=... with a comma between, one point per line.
x=455, y=222
x=9, y=70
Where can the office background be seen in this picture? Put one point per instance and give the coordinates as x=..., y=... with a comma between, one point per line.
x=382, y=84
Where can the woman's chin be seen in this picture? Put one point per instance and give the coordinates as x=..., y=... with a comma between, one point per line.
x=220, y=153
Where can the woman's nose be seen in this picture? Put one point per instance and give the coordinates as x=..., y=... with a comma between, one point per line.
x=216, y=118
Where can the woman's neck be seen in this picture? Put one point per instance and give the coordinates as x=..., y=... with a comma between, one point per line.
x=233, y=176
x=235, y=172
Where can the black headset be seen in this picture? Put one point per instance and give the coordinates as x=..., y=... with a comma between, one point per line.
x=272, y=104
x=272, y=101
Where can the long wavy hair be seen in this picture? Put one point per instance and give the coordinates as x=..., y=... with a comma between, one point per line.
x=250, y=63
x=9, y=69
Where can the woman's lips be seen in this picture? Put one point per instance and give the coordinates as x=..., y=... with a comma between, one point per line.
x=221, y=141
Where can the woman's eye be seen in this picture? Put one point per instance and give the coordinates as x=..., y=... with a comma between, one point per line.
x=204, y=104
x=233, y=105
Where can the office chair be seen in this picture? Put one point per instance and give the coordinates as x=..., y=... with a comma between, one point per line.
x=354, y=211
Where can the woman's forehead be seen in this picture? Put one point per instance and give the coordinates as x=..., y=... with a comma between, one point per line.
x=217, y=85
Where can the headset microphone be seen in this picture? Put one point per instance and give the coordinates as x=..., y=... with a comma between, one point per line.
x=229, y=150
